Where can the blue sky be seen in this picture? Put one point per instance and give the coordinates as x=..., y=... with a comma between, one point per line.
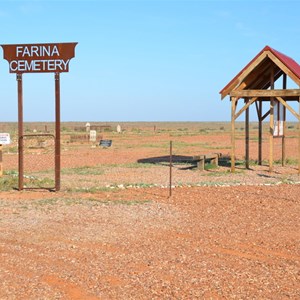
x=142, y=60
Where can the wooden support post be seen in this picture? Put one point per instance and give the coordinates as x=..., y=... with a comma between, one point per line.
x=283, y=154
x=233, y=107
x=201, y=162
x=299, y=140
x=271, y=137
x=20, y=131
x=283, y=157
x=171, y=166
x=271, y=134
x=260, y=134
x=247, y=137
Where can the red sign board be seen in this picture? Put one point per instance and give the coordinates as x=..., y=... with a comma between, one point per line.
x=39, y=58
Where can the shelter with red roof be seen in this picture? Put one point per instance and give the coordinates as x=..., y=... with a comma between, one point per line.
x=255, y=84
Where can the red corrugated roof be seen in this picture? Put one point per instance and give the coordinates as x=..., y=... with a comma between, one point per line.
x=292, y=65
x=286, y=60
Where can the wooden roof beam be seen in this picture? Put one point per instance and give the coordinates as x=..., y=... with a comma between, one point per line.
x=276, y=76
x=288, y=107
x=248, y=82
x=265, y=93
x=245, y=107
x=261, y=78
x=283, y=67
x=245, y=72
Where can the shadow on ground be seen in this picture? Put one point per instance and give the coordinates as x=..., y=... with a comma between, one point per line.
x=224, y=161
x=165, y=161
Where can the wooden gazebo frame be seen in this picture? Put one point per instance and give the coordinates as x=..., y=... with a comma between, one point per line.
x=256, y=84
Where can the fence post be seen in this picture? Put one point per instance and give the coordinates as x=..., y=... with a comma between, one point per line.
x=171, y=163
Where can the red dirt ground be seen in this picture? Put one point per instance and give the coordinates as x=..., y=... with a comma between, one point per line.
x=204, y=242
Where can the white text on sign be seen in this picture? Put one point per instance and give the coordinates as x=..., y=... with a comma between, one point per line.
x=38, y=65
x=39, y=58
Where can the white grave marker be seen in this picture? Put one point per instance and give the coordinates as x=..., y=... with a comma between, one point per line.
x=119, y=129
x=93, y=135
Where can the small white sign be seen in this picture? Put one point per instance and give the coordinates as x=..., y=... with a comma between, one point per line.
x=278, y=119
x=93, y=135
x=4, y=139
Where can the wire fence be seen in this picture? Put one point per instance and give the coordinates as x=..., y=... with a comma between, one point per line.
x=39, y=161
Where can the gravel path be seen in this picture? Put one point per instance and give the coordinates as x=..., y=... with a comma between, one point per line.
x=238, y=242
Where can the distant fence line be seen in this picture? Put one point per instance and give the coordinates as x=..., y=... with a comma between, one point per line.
x=98, y=128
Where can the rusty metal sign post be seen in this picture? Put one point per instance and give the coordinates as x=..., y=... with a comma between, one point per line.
x=39, y=58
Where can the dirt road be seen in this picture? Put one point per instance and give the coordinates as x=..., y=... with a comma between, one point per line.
x=202, y=243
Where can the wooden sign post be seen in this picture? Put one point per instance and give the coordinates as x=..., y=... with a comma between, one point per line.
x=39, y=58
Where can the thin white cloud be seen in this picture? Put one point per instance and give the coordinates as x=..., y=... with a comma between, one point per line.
x=244, y=29
x=224, y=14
x=29, y=8
x=3, y=13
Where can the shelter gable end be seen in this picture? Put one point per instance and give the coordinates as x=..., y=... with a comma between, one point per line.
x=256, y=74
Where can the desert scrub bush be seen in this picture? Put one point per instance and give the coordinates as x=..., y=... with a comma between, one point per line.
x=116, y=202
x=291, y=161
x=217, y=147
x=218, y=183
x=136, y=130
x=139, y=185
x=91, y=190
x=66, y=129
x=182, y=129
x=183, y=133
x=203, y=131
x=11, y=181
x=136, y=165
x=13, y=149
x=133, y=165
x=288, y=161
x=11, y=173
x=219, y=173
x=8, y=183
x=46, y=201
x=286, y=180
x=210, y=166
x=35, y=182
x=85, y=170
x=181, y=144
x=156, y=145
x=50, y=202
